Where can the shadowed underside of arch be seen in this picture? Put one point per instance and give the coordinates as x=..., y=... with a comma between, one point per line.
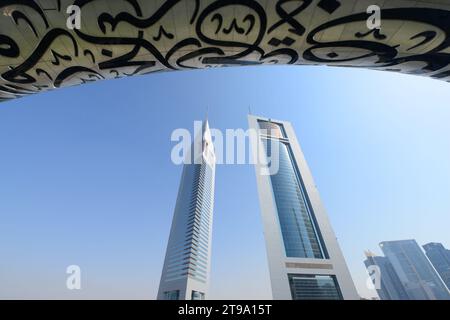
x=121, y=38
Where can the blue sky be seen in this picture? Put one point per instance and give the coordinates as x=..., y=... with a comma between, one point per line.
x=86, y=176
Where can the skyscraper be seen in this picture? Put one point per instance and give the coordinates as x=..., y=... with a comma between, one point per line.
x=416, y=273
x=305, y=261
x=390, y=286
x=440, y=258
x=185, y=274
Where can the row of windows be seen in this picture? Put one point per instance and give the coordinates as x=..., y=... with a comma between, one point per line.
x=181, y=265
x=175, y=295
x=193, y=253
x=189, y=269
x=314, y=287
x=190, y=258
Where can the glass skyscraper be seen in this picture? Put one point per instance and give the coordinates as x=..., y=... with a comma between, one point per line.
x=390, y=286
x=185, y=274
x=305, y=261
x=440, y=258
x=420, y=280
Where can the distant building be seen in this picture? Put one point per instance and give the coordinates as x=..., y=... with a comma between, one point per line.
x=305, y=260
x=185, y=274
x=440, y=258
x=390, y=286
x=419, y=278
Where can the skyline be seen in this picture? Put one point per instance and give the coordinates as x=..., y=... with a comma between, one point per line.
x=405, y=273
x=54, y=132
x=420, y=279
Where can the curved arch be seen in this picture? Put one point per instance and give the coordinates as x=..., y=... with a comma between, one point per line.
x=121, y=38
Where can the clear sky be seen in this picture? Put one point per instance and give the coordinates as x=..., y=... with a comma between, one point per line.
x=86, y=176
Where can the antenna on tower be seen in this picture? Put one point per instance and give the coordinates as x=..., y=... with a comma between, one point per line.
x=250, y=110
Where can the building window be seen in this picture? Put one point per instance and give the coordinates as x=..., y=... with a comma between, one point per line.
x=301, y=236
x=314, y=287
x=172, y=295
x=271, y=129
x=197, y=295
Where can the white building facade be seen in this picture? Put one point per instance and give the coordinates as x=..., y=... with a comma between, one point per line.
x=305, y=260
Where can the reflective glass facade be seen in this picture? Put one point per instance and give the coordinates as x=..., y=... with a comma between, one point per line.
x=187, y=263
x=172, y=295
x=418, y=277
x=314, y=287
x=189, y=257
x=440, y=258
x=197, y=295
x=301, y=236
x=391, y=288
x=272, y=129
